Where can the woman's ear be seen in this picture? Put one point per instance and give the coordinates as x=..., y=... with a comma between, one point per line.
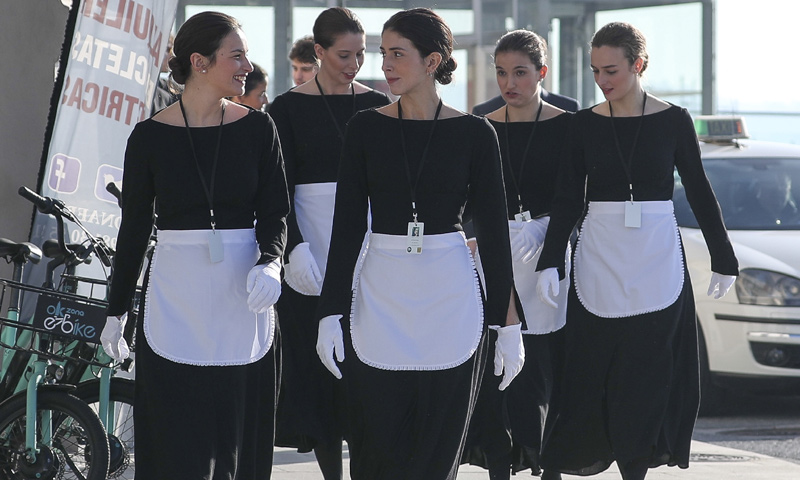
x=432, y=62
x=319, y=51
x=199, y=63
x=543, y=72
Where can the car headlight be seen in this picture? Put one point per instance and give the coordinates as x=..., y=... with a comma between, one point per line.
x=763, y=287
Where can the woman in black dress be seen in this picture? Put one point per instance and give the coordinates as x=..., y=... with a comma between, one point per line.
x=406, y=287
x=630, y=383
x=205, y=361
x=507, y=428
x=311, y=120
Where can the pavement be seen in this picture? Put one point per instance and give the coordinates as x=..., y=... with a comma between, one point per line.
x=708, y=462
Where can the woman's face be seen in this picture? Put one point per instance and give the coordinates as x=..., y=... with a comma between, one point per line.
x=614, y=73
x=403, y=65
x=256, y=98
x=342, y=60
x=518, y=78
x=229, y=70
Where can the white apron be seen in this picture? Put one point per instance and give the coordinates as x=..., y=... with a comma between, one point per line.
x=313, y=206
x=416, y=312
x=539, y=317
x=622, y=271
x=196, y=311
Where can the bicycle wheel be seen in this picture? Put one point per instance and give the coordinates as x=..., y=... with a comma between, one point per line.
x=121, y=439
x=78, y=450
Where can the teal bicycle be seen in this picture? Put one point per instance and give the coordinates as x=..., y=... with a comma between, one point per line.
x=45, y=431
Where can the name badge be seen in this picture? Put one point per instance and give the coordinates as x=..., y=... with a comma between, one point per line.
x=523, y=216
x=633, y=215
x=216, y=252
x=414, y=237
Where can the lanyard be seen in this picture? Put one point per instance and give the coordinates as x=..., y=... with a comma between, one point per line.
x=627, y=166
x=209, y=192
x=524, y=154
x=330, y=111
x=413, y=184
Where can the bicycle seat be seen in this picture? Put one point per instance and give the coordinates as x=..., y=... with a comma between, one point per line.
x=52, y=250
x=26, y=251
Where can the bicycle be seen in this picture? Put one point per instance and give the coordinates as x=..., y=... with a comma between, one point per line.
x=45, y=432
x=110, y=397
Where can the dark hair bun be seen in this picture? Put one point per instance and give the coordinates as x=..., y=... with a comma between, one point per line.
x=444, y=74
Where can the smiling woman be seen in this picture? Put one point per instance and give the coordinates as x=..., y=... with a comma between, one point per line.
x=205, y=341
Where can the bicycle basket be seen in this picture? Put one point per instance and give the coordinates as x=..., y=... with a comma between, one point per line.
x=60, y=324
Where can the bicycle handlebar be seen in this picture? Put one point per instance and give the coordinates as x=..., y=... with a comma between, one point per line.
x=55, y=207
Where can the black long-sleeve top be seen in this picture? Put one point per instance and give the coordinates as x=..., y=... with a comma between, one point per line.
x=667, y=141
x=462, y=164
x=537, y=185
x=250, y=186
x=310, y=141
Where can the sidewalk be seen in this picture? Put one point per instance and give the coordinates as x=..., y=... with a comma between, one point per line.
x=709, y=462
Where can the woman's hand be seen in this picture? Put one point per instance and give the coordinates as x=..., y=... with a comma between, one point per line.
x=112, y=340
x=330, y=342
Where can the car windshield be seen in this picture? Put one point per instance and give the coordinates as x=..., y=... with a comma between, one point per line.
x=754, y=193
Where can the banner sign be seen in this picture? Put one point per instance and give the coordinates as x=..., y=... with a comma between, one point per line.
x=113, y=62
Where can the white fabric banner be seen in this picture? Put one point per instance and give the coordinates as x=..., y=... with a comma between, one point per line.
x=114, y=59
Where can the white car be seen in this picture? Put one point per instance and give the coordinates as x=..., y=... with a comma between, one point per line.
x=749, y=339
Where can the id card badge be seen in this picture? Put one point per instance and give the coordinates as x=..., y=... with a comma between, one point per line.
x=523, y=216
x=633, y=215
x=215, y=250
x=414, y=237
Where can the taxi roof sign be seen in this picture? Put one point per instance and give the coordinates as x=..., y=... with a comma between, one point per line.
x=717, y=128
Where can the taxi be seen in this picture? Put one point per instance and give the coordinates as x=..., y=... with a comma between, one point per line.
x=749, y=339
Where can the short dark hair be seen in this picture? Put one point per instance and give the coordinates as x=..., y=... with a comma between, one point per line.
x=428, y=32
x=625, y=36
x=303, y=50
x=524, y=41
x=334, y=22
x=254, y=78
x=202, y=33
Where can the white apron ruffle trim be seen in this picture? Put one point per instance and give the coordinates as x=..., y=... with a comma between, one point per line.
x=416, y=312
x=196, y=311
x=621, y=271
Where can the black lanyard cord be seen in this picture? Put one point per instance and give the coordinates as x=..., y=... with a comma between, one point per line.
x=413, y=183
x=208, y=191
x=330, y=110
x=627, y=166
x=524, y=154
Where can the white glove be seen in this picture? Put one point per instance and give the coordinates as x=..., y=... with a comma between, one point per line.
x=111, y=338
x=509, y=353
x=330, y=341
x=528, y=239
x=264, y=286
x=302, y=272
x=547, y=286
x=720, y=284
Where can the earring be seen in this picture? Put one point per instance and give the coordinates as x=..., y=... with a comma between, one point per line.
x=204, y=71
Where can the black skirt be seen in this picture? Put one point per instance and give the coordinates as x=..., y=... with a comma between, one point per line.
x=215, y=423
x=310, y=401
x=630, y=389
x=507, y=427
x=408, y=425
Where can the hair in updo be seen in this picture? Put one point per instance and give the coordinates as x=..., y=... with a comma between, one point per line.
x=526, y=42
x=202, y=33
x=625, y=36
x=334, y=22
x=428, y=33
